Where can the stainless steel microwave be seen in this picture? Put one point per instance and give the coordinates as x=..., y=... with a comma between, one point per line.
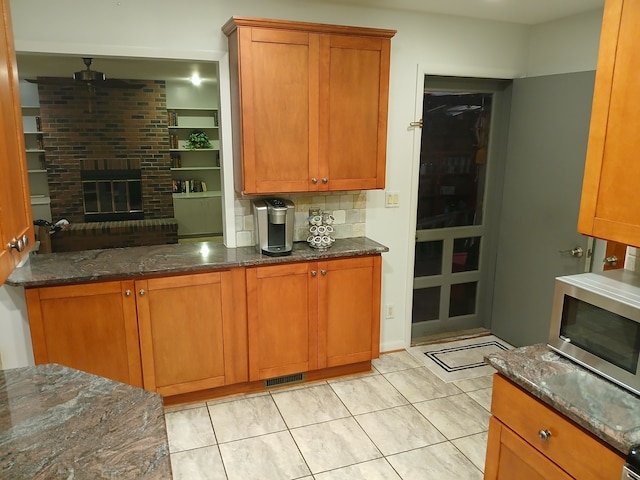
x=595, y=321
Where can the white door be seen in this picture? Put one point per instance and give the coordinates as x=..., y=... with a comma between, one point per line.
x=546, y=150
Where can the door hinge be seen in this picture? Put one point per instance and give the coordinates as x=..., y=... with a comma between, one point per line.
x=416, y=124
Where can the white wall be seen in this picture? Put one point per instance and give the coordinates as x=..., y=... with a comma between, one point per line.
x=567, y=45
x=442, y=45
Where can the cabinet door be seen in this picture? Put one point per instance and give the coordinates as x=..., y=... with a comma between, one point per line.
x=349, y=311
x=181, y=332
x=282, y=317
x=91, y=327
x=609, y=208
x=354, y=90
x=278, y=84
x=15, y=208
x=509, y=457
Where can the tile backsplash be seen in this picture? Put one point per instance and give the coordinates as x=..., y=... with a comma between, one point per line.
x=632, y=262
x=348, y=208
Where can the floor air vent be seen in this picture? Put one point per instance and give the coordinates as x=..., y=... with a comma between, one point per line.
x=284, y=380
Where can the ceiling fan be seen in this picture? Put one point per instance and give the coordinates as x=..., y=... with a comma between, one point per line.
x=91, y=78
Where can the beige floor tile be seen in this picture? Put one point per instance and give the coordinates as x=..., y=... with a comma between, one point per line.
x=455, y=416
x=305, y=406
x=185, y=406
x=483, y=397
x=198, y=464
x=188, y=429
x=392, y=362
x=419, y=384
x=368, y=394
x=399, y=429
x=442, y=461
x=334, y=444
x=378, y=469
x=474, y=447
x=267, y=457
x=472, y=384
x=243, y=418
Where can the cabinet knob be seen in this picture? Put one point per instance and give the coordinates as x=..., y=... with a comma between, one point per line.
x=544, y=435
x=17, y=244
x=313, y=273
x=314, y=180
x=325, y=180
x=323, y=272
x=142, y=292
x=127, y=293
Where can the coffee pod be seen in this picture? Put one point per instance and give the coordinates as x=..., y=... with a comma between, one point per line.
x=322, y=229
x=313, y=229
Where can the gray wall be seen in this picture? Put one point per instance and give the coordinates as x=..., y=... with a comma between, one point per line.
x=543, y=179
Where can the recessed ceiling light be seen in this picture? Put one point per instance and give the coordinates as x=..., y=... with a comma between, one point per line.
x=195, y=79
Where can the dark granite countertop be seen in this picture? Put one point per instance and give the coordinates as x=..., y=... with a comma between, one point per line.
x=60, y=423
x=603, y=408
x=120, y=263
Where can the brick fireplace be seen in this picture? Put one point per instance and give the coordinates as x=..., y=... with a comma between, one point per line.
x=92, y=141
x=109, y=128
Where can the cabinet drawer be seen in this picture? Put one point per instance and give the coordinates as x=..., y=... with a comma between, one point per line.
x=572, y=448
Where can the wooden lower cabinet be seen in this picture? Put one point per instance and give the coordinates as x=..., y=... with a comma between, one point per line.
x=192, y=331
x=172, y=335
x=515, y=448
x=312, y=315
x=91, y=327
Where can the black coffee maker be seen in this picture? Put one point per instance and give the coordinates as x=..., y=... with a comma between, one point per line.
x=273, y=220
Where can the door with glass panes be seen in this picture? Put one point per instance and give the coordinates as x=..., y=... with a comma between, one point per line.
x=458, y=156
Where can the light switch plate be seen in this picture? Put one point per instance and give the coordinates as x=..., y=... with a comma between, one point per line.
x=392, y=199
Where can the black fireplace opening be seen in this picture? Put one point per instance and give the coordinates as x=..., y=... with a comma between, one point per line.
x=112, y=194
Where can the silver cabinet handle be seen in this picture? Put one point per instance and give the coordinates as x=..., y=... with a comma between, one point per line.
x=313, y=273
x=323, y=272
x=127, y=293
x=17, y=244
x=611, y=261
x=142, y=292
x=314, y=180
x=544, y=435
x=325, y=180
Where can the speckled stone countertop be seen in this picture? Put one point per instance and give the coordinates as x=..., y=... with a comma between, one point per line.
x=60, y=423
x=121, y=263
x=603, y=408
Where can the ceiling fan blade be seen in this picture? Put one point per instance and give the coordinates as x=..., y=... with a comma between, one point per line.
x=52, y=81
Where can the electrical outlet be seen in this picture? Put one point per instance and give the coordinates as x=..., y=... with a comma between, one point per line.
x=389, y=311
x=392, y=200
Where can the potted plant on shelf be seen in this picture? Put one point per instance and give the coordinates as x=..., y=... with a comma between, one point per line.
x=198, y=140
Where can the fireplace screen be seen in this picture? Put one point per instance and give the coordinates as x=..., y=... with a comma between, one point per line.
x=118, y=197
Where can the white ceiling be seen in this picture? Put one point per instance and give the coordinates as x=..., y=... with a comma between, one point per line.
x=519, y=11
x=529, y=12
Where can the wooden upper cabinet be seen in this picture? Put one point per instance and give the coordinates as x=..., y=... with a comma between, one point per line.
x=609, y=207
x=309, y=105
x=15, y=209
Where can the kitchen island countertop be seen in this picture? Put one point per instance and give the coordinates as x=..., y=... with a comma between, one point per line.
x=608, y=411
x=133, y=262
x=60, y=423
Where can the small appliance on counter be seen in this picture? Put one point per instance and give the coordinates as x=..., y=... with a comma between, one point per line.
x=273, y=219
x=631, y=471
x=595, y=321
